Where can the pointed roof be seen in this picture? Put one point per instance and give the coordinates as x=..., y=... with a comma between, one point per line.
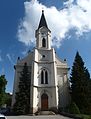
x=42, y=21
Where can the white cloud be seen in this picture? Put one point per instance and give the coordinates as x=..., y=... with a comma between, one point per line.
x=25, y=52
x=10, y=58
x=76, y=16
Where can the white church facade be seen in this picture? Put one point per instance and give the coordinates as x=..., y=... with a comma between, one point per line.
x=49, y=79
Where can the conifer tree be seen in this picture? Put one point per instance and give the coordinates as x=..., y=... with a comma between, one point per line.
x=80, y=84
x=3, y=83
x=22, y=104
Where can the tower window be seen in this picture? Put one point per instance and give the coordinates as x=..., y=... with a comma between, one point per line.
x=43, y=42
x=43, y=56
x=44, y=77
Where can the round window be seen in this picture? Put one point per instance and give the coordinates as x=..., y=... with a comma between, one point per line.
x=43, y=56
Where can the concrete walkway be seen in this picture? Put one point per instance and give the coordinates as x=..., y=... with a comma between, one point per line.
x=38, y=117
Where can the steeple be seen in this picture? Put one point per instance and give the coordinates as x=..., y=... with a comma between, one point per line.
x=43, y=34
x=42, y=21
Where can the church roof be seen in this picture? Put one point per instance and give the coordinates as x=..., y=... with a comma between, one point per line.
x=42, y=21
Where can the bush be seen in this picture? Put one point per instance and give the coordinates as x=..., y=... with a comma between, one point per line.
x=73, y=108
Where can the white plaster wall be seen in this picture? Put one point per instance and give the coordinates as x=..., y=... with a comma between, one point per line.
x=47, y=53
x=35, y=83
x=35, y=98
x=63, y=89
x=49, y=40
x=35, y=68
x=53, y=69
x=60, y=80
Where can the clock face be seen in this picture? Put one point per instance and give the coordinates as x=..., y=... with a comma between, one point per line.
x=44, y=34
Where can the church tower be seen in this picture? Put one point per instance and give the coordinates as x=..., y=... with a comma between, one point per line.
x=45, y=69
x=43, y=34
x=49, y=88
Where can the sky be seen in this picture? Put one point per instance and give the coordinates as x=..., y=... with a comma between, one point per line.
x=68, y=20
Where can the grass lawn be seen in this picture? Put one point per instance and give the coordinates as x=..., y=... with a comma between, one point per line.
x=84, y=116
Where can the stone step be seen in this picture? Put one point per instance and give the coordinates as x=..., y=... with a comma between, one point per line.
x=46, y=113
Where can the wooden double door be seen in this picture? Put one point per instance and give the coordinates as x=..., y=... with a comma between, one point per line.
x=44, y=102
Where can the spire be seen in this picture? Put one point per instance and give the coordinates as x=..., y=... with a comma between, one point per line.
x=42, y=21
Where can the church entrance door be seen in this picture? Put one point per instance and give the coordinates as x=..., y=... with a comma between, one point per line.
x=44, y=102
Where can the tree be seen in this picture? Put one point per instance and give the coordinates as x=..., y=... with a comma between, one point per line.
x=80, y=84
x=3, y=83
x=73, y=108
x=22, y=104
x=8, y=99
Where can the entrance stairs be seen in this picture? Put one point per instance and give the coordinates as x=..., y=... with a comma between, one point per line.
x=46, y=113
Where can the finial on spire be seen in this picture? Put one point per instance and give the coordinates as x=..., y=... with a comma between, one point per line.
x=42, y=10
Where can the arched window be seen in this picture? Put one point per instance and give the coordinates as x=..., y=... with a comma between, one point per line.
x=43, y=42
x=44, y=77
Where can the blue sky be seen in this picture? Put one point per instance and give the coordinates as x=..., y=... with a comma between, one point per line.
x=69, y=21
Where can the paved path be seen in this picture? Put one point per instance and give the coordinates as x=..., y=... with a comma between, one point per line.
x=38, y=117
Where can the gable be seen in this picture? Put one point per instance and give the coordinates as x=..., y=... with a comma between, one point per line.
x=28, y=59
x=60, y=63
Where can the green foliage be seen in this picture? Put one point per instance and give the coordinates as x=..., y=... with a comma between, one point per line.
x=22, y=104
x=83, y=116
x=3, y=83
x=89, y=117
x=8, y=99
x=73, y=108
x=81, y=85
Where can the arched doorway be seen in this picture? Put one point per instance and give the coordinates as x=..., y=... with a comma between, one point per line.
x=44, y=102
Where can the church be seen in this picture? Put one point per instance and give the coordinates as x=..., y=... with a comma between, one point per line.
x=49, y=74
